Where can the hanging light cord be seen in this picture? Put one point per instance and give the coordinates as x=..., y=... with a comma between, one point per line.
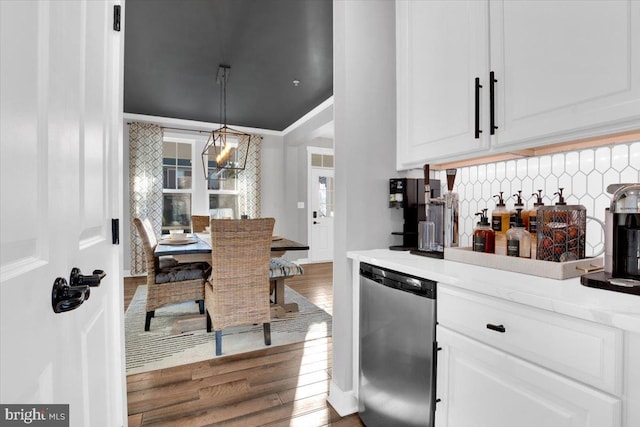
x=222, y=81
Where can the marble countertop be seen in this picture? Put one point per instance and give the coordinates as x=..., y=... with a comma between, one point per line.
x=566, y=297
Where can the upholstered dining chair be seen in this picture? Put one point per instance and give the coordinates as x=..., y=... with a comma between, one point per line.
x=169, y=282
x=199, y=223
x=237, y=292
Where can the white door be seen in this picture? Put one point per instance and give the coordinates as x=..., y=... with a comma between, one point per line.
x=61, y=151
x=442, y=47
x=322, y=197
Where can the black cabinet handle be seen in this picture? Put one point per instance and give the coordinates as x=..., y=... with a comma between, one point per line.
x=497, y=328
x=477, y=118
x=492, y=112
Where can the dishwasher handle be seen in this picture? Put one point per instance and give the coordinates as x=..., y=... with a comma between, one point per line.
x=397, y=280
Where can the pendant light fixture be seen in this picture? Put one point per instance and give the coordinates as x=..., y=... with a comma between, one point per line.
x=227, y=149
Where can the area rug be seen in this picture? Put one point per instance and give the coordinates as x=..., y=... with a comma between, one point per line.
x=178, y=333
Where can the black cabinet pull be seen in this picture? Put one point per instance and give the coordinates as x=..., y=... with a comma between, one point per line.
x=492, y=112
x=497, y=328
x=477, y=118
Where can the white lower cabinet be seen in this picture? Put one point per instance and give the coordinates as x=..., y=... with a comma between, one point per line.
x=481, y=386
x=506, y=364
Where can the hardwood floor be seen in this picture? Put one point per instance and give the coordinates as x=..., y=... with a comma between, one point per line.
x=276, y=386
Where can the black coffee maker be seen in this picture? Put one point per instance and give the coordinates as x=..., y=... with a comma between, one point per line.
x=622, y=243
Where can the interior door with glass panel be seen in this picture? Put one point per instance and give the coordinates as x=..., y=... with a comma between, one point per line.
x=322, y=200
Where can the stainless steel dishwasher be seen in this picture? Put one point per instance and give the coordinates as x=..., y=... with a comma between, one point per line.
x=397, y=348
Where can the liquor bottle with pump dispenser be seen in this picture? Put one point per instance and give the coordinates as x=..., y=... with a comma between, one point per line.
x=524, y=213
x=518, y=239
x=483, y=235
x=533, y=222
x=500, y=224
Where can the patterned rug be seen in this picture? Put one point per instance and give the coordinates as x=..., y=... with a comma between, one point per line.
x=178, y=333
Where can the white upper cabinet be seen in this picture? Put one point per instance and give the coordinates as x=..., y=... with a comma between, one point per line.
x=563, y=70
x=442, y=47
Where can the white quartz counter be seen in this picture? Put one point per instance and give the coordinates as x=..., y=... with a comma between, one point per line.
x=567, y=297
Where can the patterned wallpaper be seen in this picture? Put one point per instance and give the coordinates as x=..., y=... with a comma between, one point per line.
x=583, y=174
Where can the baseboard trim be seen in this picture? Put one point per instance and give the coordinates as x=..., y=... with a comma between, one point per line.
x=344, y=402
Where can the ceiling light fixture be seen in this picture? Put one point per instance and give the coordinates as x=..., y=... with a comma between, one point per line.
x=296, y=82
x=227, y=149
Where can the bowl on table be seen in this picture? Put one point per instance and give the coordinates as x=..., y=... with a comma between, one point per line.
x=177, y=235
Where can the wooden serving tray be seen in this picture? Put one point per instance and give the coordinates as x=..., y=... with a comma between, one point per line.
x=534, y=267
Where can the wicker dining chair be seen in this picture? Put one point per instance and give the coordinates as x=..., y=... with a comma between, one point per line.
x=237, y=292
x=199, y=223
x=172, y=282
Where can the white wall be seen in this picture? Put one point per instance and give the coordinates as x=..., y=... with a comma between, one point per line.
x=273, y=182
x=365, y=134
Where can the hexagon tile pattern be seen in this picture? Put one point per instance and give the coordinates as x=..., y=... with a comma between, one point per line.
x=583, y=174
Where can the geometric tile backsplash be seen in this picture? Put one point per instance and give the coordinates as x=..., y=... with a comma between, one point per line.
x=584, y=175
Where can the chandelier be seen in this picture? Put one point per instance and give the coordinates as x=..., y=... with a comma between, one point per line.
x=227, y=149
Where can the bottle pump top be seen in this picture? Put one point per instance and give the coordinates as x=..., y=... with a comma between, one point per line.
x=519, y=222
x=560, y=198
x=484, y=220
x=539, y=201
x=518, y=198
x=500, y=199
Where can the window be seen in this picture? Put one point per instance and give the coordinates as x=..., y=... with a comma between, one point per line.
x=222, y=189
x=177, y=186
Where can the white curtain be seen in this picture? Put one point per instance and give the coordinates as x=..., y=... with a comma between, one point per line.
x=145, y=185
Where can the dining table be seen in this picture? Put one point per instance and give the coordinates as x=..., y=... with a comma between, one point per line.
x=196, y=247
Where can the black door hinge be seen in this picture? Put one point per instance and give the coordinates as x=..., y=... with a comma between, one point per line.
x=116, y=17
x=115, y=231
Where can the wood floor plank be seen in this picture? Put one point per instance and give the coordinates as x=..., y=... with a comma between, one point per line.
x=280, y=386
x=200, y=406
x=135, y=420
x=212, y=416
x=348, y=421
x=281, y=412
x=321, y=417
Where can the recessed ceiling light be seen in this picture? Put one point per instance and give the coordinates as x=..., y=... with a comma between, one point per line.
x=296, y=82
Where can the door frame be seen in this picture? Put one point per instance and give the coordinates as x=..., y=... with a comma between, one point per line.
x=314, y=150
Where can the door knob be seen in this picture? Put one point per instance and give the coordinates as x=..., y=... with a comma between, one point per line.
x=78, y=279
x=316, y=222
x=67, y=298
